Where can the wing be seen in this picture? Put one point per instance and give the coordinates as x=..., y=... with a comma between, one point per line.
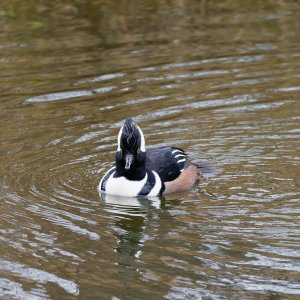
x=168, y=162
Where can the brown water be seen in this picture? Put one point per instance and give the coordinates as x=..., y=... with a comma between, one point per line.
x=220, y=79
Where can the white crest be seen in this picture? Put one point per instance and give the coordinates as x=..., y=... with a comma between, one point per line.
x=119, y=139
x=143, y=147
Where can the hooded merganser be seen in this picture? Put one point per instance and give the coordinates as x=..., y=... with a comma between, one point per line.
x=151, y=172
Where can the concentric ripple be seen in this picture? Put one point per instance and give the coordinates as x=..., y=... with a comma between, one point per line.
x=223, y=86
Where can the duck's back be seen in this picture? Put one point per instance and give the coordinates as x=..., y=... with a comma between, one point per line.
x=168, y=162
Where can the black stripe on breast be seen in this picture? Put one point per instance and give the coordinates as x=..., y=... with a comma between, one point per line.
x=148, y=185
x=163, y=187
x=104, y=181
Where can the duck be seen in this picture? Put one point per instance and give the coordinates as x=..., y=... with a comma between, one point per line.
x=138, y=171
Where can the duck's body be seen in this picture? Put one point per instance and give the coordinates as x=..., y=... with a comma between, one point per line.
x=152, y=172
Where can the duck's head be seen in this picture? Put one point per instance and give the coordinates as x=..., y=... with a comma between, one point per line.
x=131, y=152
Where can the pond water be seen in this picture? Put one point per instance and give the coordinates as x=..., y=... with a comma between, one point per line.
x=220, y=79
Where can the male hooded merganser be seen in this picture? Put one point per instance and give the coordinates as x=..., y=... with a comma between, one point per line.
x=151, y=172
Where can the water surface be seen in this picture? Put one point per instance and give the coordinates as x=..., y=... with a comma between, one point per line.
x=219, y=79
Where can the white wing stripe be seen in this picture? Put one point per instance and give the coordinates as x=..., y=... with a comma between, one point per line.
x=181, y=160
x=176, y=150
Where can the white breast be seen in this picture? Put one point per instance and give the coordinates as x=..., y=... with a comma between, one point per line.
x=123, y=187
x=157, y=187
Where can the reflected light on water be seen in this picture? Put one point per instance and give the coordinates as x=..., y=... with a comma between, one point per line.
x=218, y=79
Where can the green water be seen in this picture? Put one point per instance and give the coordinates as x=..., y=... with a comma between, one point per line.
x=220, y=79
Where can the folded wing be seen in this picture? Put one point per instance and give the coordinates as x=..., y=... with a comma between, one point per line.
x=168, y=162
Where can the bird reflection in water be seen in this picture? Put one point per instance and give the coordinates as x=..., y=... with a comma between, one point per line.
x=131, y=218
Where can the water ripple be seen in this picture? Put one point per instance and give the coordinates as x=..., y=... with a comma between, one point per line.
x=226, y=93
x=68, y=95
x=38, y=275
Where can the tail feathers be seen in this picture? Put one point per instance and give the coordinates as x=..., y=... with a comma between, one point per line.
x=207, y=169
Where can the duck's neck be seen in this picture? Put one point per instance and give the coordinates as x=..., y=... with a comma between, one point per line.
x=133, y=174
